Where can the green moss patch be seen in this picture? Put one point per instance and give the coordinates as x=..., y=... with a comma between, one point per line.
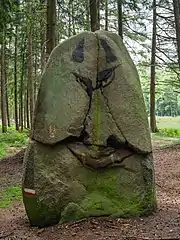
x=10, y=195
x=72, y=212
x=38, y=213
x=117, y=192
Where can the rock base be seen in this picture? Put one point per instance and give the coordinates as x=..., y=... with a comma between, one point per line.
x=64, y=189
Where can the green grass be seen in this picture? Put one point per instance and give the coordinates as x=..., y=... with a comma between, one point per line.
x=168, y=122
x=12, y=139
x=9, y=195
x=169, y=131
x=2, y=149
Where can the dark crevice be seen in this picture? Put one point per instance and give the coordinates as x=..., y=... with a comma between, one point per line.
x=86, y=84
x=115, y=163
x=70, y=139
x=105, y=78
x=84, y=135
x=113, y=142
x=95, y=145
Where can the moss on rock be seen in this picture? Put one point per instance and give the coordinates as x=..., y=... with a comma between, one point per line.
x=72, y=212
x=87, y=103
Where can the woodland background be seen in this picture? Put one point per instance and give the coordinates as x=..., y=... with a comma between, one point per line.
x=29, y=30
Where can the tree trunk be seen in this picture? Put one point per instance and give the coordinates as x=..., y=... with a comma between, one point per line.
x=35, y=76
x=51, y=26
x=30, y=76
x=7, y=105
x=94, y=8
x=27, y=109
x=21, y=120
x=73, y=21
x=88, y=25
x=15, y=80
x=43, y=36
x=3, y=84
x=106, y=15
x=120, y=20
x=98, y=13
x=6, y=84
x=153, y=74
x=176, y=6
x=69, y=20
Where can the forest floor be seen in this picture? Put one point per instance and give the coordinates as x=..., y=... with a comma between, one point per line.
x=164, y=224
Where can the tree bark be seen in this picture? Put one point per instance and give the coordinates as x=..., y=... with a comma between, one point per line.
x=106, y=15
x=94, y=15
x=3, y=84
x=120, y=18
x=15, y=80
x=35, y=76
x=6, y=84
x=88, y=25
x=153, y=74
x=7, y=105
x=73, y=21
x=51, y=26
x=21, y=94
x=43, y=38
x=27, y=109
x=30, y=76
x=176, y=6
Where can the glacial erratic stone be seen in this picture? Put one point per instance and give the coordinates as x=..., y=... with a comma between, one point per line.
x=90, y=150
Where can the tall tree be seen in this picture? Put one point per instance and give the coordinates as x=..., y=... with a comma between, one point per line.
x=94, y=14
x=7, y=83
x=43, y=35
x=30, y=75
x=176, y=6
x=120, y=20
x=106, y=15
x=51, y=26
x=153, y=74
x=15, y=78
x=21, y=89
x=3, y=82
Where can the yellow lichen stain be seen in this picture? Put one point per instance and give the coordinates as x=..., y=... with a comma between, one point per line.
x=52, y=131
x=96, y=120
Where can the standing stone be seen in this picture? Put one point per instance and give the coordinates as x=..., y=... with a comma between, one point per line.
x=90, y=151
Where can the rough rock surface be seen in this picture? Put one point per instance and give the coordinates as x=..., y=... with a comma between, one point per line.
x=90, y=153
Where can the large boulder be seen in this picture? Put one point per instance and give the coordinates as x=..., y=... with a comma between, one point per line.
x=90, y=151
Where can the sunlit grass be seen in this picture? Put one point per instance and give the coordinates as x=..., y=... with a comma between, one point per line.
x=12, y=139
x=168, y=122
x=9, y=195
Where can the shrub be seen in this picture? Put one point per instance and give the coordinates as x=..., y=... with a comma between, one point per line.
x=170, y=132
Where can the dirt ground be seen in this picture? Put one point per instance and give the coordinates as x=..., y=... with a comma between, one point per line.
x=164, y=224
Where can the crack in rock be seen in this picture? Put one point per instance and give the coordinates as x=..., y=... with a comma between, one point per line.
x=99, y=158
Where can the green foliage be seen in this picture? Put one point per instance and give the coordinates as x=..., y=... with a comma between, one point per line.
x=11, y=194
x=2, y=149
x=167, y=96
x=12, y=139
x=170, y=132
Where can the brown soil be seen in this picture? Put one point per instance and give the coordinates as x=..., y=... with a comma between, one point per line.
x=164, y=224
